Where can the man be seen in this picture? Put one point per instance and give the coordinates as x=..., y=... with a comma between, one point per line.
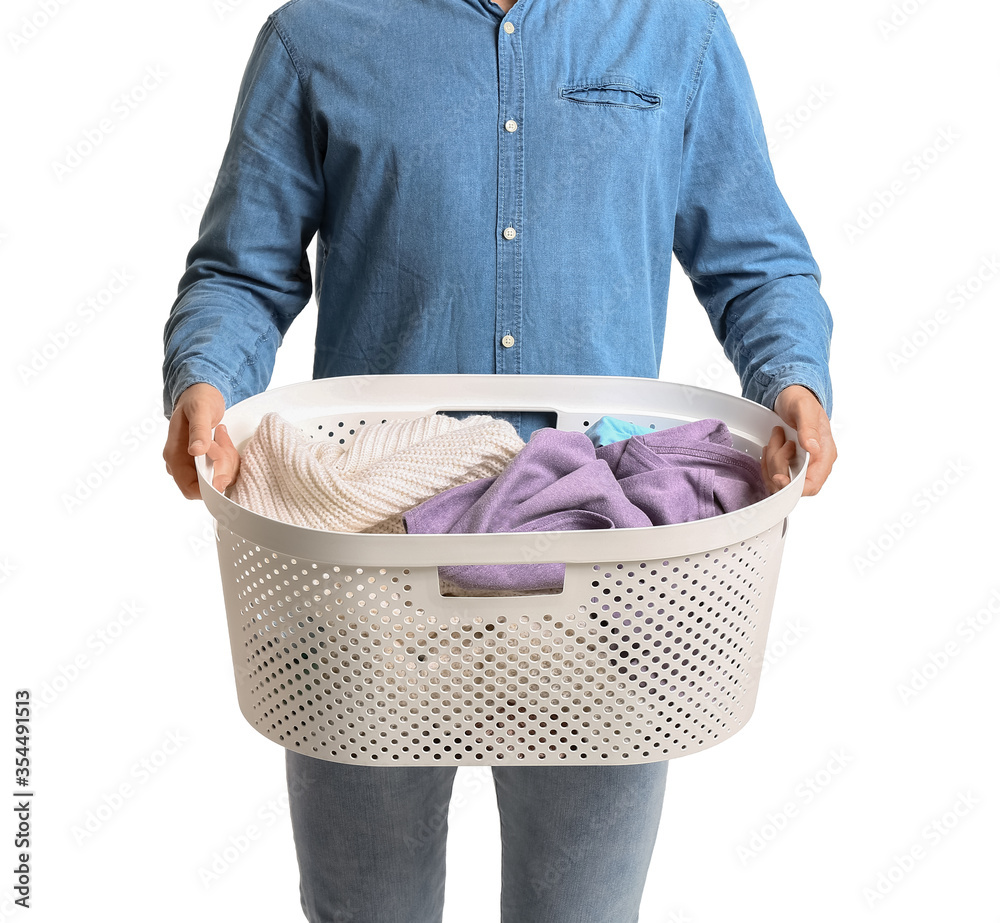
x=496, y=187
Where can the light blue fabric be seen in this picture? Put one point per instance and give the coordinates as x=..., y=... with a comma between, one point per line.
x=610, y=429
x=380, y=127
x=371, y=840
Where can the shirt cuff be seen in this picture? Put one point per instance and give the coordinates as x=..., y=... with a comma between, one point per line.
x=765, y=388
x=175, y=385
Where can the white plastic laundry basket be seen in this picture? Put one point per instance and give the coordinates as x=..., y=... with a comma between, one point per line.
x=345, y=649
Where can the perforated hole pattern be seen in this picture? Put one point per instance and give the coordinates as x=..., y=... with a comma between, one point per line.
x=656, y=659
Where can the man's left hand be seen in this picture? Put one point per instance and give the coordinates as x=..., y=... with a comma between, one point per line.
x=801, y=410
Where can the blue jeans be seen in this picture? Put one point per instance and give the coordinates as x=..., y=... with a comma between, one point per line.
x=370, y=840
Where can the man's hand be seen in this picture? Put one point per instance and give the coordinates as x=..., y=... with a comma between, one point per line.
x=197, y=410
x=800, y=409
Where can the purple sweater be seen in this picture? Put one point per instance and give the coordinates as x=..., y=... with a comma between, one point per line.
x=559, y=481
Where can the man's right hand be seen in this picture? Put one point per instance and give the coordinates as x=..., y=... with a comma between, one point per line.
x=197, y=410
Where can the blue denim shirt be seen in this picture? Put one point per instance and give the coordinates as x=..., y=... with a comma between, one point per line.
x=495, y=194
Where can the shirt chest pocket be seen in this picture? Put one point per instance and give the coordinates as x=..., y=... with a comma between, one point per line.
x=614, y=91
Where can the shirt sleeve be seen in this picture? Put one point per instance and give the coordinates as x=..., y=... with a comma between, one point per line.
x=739, y=243
x=248, y=276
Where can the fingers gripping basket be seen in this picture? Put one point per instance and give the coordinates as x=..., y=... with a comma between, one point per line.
x=345, y=649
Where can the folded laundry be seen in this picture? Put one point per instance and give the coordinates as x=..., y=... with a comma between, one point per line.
x=611, y=429
x=560, y=481
x=367, y=486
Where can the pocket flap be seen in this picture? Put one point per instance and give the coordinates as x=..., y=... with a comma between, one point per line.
x=612, y=91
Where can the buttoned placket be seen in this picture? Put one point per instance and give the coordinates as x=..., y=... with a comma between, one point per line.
x=510, y=192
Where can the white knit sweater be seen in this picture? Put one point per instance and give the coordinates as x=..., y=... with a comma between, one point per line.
x=366, y=487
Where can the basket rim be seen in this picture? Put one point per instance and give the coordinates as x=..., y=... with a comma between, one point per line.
x=573, y=394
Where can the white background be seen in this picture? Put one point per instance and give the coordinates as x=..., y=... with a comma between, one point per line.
x=882, y=572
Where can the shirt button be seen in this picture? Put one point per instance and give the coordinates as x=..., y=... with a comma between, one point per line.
x=508, y=341
x=508, y=27
x=509, y=233
x=510, y=125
